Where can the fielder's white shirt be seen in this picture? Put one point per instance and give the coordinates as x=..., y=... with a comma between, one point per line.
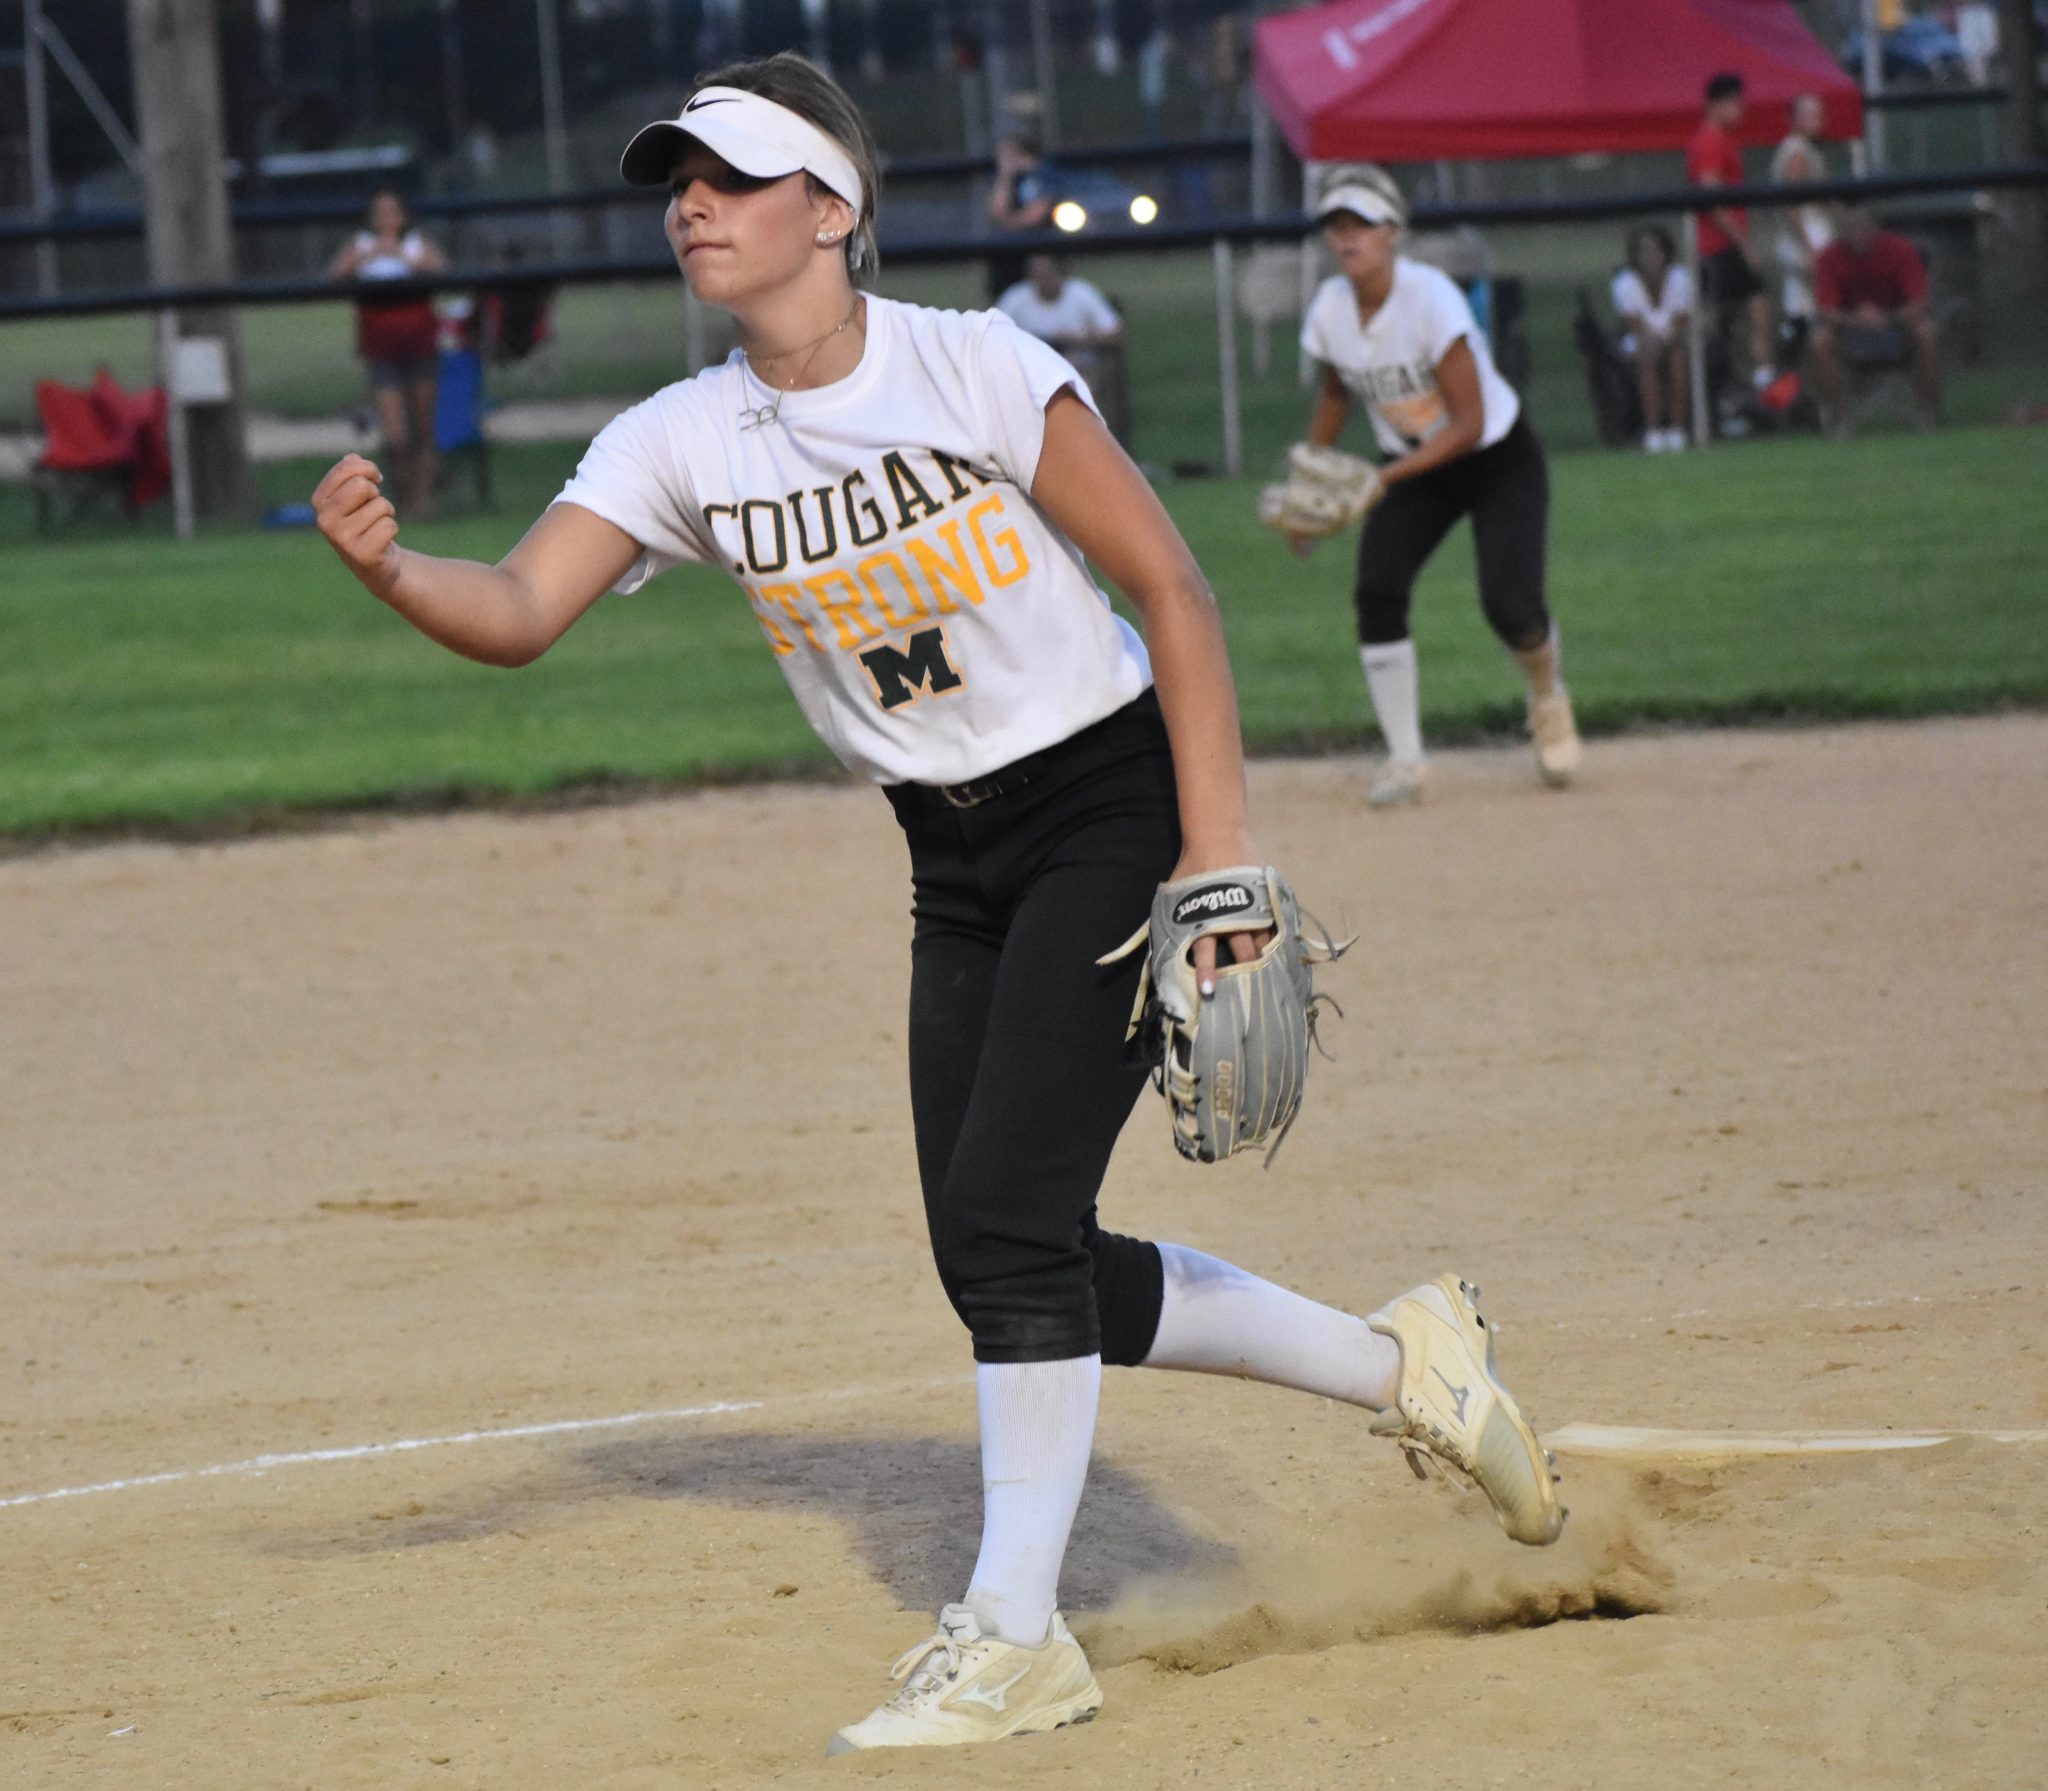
x=1079, y=311
x=930, y=619
x=1390, y=363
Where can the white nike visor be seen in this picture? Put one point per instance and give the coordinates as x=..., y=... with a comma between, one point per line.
x=755, y=135
x=1365, y=202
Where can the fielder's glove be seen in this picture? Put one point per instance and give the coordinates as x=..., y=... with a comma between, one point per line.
x=1325, y=490
x=1231, y=1067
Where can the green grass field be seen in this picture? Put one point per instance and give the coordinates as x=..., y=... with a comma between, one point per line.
x=243, y=676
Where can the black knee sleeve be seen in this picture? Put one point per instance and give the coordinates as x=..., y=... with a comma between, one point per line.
x=1130, y=1285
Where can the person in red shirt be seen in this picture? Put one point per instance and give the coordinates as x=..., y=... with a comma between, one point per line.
x=1870, y=294
x=1728, y=271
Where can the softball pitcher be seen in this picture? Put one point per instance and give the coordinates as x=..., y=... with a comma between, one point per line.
x=1399, y=338
x=908, y=499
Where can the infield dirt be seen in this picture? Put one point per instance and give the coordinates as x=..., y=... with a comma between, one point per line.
x=1725, y=1074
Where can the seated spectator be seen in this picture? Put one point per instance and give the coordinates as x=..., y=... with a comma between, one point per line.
x=1052, y=305
x=1653, y=299
x=1870, y=297
x=1083, y=325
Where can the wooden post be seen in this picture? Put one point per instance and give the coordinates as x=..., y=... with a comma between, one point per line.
x=174, y=50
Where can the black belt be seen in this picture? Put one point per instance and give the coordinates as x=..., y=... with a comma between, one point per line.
x=1007, y=780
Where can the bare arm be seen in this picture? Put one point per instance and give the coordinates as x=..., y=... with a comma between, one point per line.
x=430, y=260
x=1457, y=377
x=1332, y=410
x=1003, y=210
x=507, y=614
x=344, y=265
x=1087, y=485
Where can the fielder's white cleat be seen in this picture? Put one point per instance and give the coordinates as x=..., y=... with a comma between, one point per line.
x=1556, y=736
x=963, y=1686
x=1398, y=784
x=1452, y=1407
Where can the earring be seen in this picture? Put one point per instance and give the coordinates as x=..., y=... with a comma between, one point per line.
x=826, y=238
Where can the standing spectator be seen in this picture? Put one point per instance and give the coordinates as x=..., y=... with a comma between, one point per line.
x=1653, y=297
x=1803, y=230
x=1977, y=32
x=397, y=337
x=1728, y=272
x=1155, y=65
x=1870, y=289
x=1020, y=199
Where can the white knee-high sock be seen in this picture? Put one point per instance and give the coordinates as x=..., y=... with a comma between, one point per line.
x=1037, y=1426
x=1543, y=665
x=1391, y=683
x=1216, y=1319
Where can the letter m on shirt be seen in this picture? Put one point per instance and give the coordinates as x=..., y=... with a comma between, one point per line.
x=917, y=668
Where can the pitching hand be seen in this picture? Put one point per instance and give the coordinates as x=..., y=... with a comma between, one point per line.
x=359, y=521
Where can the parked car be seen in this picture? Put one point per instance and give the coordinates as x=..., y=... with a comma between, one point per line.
x=1094, y=198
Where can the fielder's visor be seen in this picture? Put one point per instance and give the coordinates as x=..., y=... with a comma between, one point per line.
x=755, y=135
x=1365, y=202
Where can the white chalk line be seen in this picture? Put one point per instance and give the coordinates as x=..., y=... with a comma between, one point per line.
x=261, y=1464
x=1623, y=1439
x=1571, y=1439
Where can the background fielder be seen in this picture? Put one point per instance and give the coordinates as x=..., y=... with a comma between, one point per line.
x=1399, y=338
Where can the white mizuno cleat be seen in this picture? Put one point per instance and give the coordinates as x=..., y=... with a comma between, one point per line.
x=1451, y=1407
x=962, y=1686
x=1398, y=784
x=1556, y=737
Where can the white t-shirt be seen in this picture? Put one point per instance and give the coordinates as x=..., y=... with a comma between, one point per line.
x=1633, y=305
x=932, y=622
x=1390, y=363
x=1079, y=311
x=401, y=263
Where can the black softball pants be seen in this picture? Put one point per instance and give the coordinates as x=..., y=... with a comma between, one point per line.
x=1505, y=489
x=1020, y=1079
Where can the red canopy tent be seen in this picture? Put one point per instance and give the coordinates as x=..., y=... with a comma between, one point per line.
x=1450, y=80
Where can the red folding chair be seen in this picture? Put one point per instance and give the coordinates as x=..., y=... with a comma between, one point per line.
x=100, y=445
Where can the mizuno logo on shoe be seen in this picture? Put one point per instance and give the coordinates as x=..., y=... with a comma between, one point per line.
x=996, y=1697
x=1460, y=1394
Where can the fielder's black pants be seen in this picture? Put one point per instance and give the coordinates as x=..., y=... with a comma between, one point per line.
x=1505, y=489
x=1020, y=1079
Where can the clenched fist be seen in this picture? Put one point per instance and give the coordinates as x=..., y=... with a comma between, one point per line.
x=359, y=521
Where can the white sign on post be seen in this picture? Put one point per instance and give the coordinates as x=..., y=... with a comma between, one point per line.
x=199, y=370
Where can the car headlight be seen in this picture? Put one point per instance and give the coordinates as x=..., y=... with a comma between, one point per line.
x=1144, y=208
x=1070, y=215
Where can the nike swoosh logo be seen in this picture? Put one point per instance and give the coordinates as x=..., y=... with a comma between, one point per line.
x=996, y=1697
x=697, y=105
x=1460, y=1394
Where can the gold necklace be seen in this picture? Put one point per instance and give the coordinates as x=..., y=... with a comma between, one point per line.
x=762, y=415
